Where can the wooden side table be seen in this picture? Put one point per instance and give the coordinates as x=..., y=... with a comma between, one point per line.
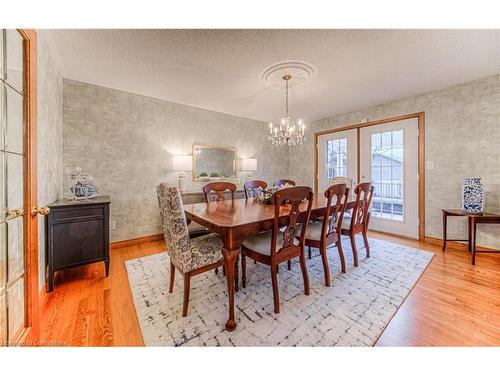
x=473, y=219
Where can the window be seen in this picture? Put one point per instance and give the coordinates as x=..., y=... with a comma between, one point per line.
x=387, y=174
x=336, y=158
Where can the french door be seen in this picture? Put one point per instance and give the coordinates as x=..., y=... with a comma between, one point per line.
x=389, y=159
x=18, y=243
x=388, y=153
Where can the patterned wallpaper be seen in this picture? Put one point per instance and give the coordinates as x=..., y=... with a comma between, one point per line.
x=462, y=136
x=127, y=141
x=50, y=142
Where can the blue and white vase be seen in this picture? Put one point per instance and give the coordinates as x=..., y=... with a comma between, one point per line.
x=473, y=195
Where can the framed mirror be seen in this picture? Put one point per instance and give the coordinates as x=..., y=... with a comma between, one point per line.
x=213, y=162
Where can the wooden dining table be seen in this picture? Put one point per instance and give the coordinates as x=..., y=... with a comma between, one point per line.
x=236, y=219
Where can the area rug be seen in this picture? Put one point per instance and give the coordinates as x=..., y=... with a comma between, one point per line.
x=353, y=312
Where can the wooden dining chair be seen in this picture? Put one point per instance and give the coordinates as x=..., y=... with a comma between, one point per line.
x=357, y=221
x=251, y=187
x=283, y=182
x=326, y=232
x=189, y=256
x=275, y=247
x=219, y=188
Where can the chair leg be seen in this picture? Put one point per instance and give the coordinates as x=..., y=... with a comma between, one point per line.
x=277, y=268
x=289, y=265
x=236, y=276
x=367, y=245
x=243, y=270
x=354, y=249
x=341, y=255
x=326, y=267
x=216, y=271
x=223, y=270
x=187, y=282
x=304, y=273
x=172, y=277
x=276, y=297
x=309, y=253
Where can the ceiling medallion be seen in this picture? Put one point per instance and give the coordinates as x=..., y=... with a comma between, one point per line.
x=301, y=71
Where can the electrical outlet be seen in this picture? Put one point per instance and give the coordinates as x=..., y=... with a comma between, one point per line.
x=430, y=165
x=112, y=225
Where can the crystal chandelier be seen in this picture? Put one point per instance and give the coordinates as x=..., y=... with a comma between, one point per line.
x=289, y=132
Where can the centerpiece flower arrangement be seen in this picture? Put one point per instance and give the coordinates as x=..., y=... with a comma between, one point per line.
x=265, y=194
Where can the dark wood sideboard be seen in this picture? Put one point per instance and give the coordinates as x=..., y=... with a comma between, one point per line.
x=77, y=233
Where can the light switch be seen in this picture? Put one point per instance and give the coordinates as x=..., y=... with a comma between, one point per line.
x=430, y=165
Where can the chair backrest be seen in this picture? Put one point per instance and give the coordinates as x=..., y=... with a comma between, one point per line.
x=174, y=225
x=219, y=188
x=364, y=194
x=293, y=197
x=284, y=182
x=341, y=180
x=337, y=197
x=251, y=187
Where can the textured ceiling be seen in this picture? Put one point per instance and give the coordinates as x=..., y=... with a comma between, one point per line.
x=220, y=69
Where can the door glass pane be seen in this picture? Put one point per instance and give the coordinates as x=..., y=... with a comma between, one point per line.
x=15, y=178
x=15, y=53
x=15, y=303
x=336, y=159
x=15, y=244
x=3, y=319
x=14, y=121
x=387, y=174
x=3, y=258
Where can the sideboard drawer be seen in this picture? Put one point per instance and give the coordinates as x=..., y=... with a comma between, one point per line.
x=80, y=213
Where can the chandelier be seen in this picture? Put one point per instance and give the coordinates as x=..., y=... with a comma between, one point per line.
x=289, y=132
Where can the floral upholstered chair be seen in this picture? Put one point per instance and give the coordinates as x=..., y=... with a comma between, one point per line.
x=190, y=256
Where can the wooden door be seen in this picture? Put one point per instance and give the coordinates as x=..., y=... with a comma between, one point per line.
x=18, y=228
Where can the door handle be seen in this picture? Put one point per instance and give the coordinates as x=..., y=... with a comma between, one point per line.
x=42, y=211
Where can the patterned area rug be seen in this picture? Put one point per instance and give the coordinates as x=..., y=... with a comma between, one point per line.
x=353, y=312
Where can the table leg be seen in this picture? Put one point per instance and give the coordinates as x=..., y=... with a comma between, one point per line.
x=473, y=239
x=445, y=217
x=231, y=255
x=469, y=234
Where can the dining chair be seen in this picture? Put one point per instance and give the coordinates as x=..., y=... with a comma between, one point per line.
x=358, y=220
x=189, y=256
x=219, y=188
x=326, y=232
x=275, y=247
x=251, y=187
x=284, y=182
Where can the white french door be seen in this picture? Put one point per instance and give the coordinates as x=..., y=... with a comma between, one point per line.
x=337, y=157
x=389, y=159
x=388, y=155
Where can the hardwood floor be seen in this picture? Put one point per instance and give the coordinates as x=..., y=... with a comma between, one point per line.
x=453, y=303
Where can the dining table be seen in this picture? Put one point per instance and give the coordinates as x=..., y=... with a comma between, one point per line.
x=236, y=219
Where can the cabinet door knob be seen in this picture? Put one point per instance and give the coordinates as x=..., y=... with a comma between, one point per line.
x=42, y=211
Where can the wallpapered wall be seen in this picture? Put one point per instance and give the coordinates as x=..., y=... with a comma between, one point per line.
x=462, y=137
x=126, y=141
x=50, y=141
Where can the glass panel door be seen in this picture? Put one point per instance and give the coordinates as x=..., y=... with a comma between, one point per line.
x=389, y=158
x=13, y=215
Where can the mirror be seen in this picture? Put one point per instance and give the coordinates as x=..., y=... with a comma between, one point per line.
x=213, y=162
